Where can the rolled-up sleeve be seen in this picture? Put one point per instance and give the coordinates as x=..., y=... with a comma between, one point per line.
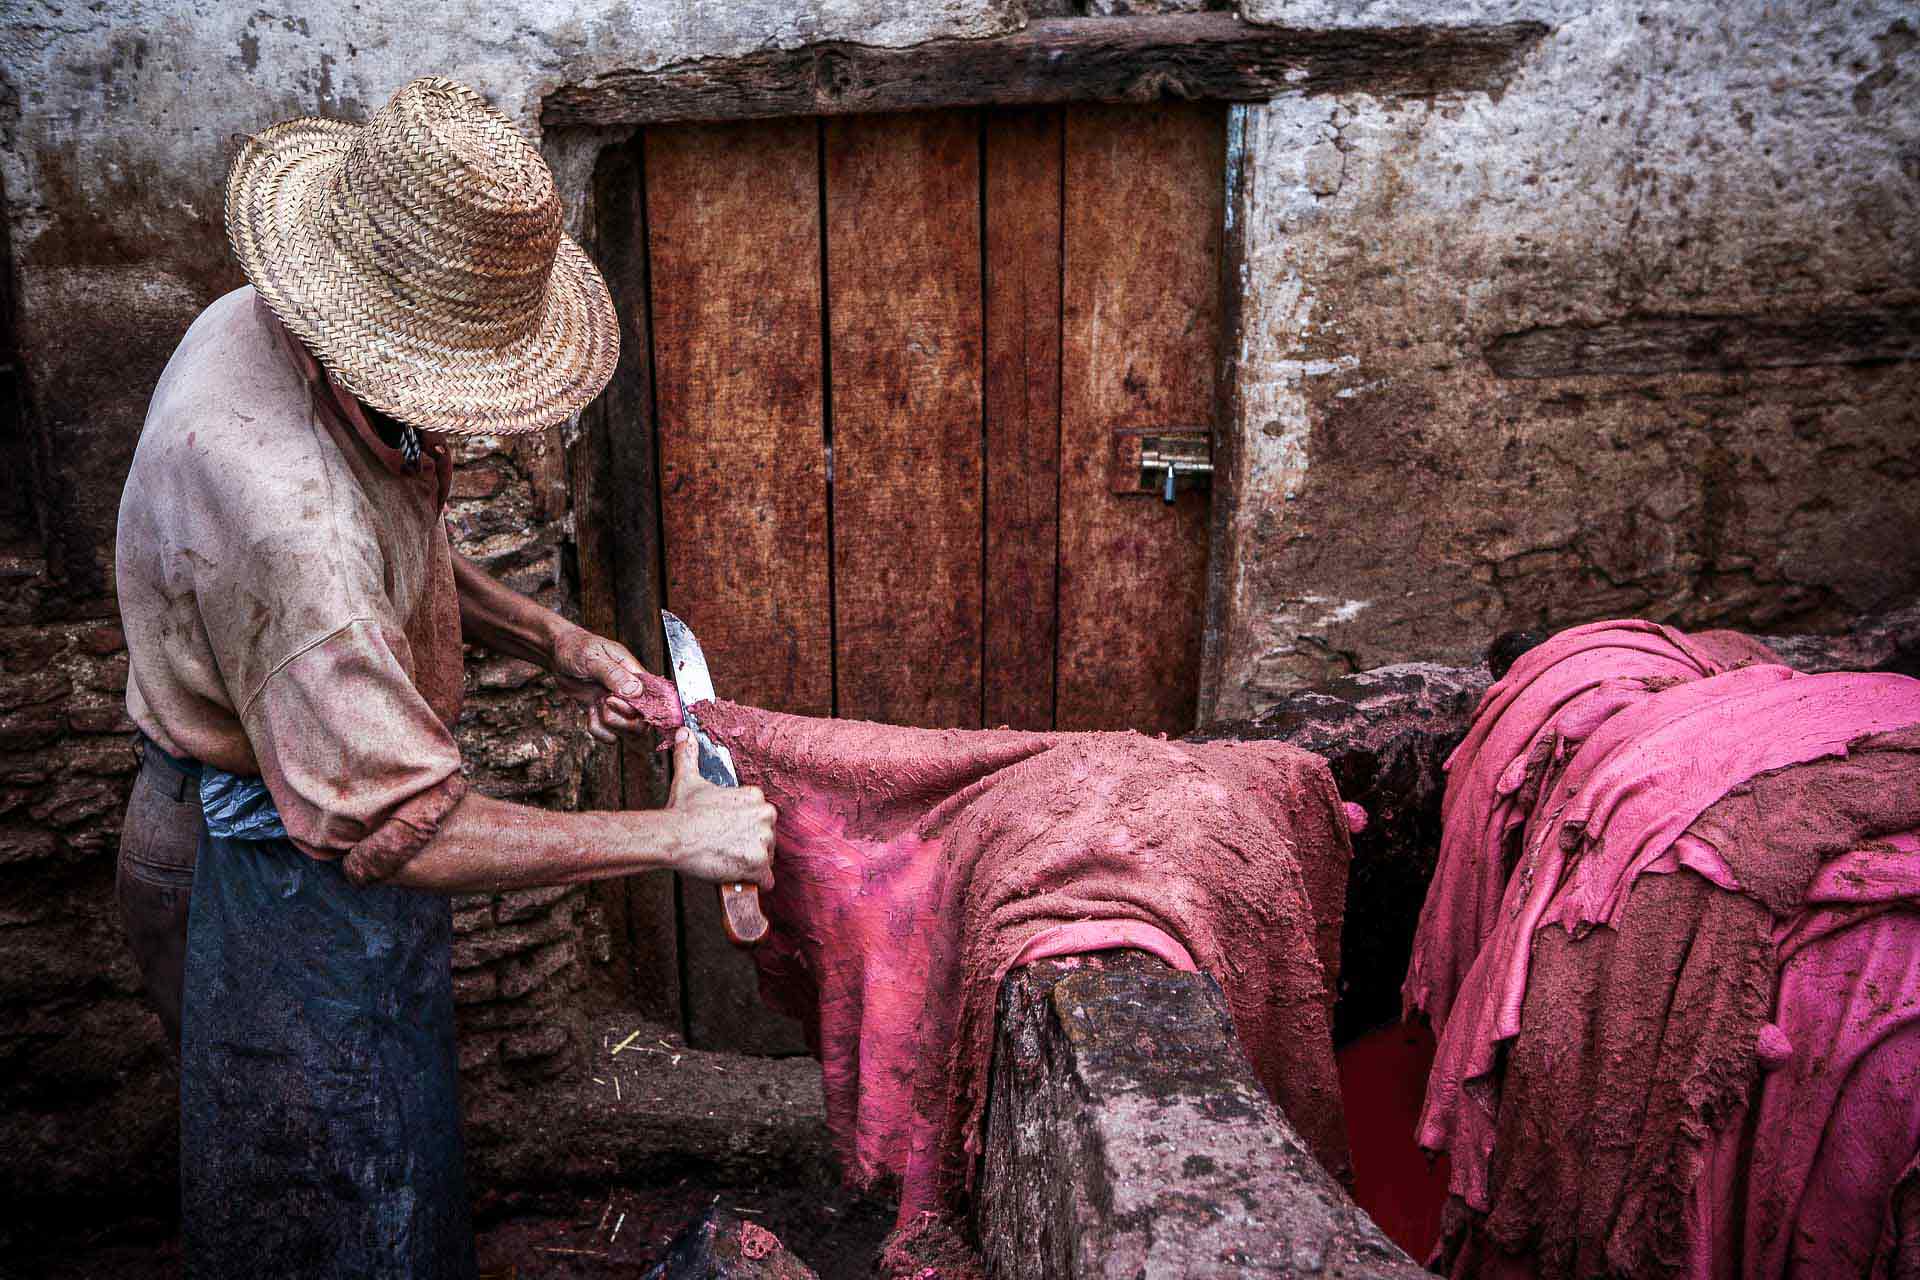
x=357, y=762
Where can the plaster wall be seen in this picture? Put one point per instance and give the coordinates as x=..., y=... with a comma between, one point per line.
x=1635, y=336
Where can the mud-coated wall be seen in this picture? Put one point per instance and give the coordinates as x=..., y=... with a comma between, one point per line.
x=1633, y=334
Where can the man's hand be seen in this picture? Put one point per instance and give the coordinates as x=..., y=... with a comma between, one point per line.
x=603, y=677
x=596, y=672
x=726, y=832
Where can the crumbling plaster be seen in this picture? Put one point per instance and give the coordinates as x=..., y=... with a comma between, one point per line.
x=1391, y=496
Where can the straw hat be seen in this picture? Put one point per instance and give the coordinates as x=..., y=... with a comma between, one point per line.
x=420, y=256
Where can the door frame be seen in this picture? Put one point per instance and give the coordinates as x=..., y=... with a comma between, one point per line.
x=1200, y=57
x=587, y=128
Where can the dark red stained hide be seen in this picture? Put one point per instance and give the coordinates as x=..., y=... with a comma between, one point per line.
x=915, y=867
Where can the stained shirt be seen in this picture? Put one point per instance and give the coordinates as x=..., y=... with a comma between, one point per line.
x=287, y=592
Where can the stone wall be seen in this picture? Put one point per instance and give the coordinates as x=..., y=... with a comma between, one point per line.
x=518, y=957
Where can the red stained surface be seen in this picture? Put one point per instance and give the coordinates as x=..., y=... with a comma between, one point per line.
x=915, y=866
x=1383, y=1079
x=1633, y=813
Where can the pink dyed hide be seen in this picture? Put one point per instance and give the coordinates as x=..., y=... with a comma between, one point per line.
x=1601, y=775
x=1532, y=720
x=915, y=867
x=1838, y=1122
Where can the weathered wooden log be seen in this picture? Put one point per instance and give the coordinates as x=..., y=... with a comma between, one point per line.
x=1192, y=56
x=1127, y=1135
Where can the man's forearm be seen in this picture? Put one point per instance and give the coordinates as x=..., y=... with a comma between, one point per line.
x=496, y=616
x=490, y=846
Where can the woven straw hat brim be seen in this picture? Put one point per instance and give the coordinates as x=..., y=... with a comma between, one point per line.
x=389, y=343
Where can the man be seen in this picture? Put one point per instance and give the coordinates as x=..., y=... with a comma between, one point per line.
x=294, y=617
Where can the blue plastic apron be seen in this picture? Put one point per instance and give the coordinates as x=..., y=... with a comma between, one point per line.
x=319, y=1118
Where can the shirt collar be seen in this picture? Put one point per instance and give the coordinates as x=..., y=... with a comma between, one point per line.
x=334, y=400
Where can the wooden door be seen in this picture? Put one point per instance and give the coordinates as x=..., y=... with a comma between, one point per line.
x=891, y=356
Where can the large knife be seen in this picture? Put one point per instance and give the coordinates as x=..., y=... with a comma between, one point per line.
x=740, y=910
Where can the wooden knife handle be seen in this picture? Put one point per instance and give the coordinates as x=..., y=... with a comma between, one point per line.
x=740, y=914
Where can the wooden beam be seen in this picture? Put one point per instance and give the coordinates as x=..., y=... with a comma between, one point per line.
x=1195, y=56
x=618, y=526
x=1021, y=211
x=903, y=314
x=733, y=225
x=1141, y=315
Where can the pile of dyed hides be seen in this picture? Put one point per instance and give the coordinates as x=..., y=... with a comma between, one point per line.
x=1672, y=952
x=914, y=867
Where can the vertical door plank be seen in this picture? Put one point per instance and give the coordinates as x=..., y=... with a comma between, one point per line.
x=1022, y=215
x=734, y=232
x=617, y=537
x=903, y=282
x=1144, y=207
x=733, y=220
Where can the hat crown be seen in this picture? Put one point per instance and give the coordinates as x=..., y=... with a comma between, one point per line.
x=420, y=256
x=455, y=208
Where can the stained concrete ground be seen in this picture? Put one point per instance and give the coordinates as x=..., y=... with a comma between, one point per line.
x=592, y=1179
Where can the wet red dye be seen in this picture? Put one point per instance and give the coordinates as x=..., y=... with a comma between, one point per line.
x=1383, y=1080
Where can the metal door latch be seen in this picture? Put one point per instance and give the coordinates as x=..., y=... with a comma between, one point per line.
x=1161, y=460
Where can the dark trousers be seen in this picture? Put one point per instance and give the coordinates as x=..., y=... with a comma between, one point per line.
x=319, y=1090
x=158, y=844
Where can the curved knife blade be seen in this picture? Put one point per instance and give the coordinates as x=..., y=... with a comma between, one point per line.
x=740, y=910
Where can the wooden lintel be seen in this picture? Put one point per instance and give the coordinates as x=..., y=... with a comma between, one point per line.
x=1198, y=56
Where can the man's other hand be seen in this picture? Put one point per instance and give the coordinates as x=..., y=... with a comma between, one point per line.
x=727, y=832
x=603, y=677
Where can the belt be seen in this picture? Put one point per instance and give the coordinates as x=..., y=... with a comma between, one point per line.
x=186, y=779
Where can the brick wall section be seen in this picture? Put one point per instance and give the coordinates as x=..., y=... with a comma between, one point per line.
x=520, y=958
x=86, y=1082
